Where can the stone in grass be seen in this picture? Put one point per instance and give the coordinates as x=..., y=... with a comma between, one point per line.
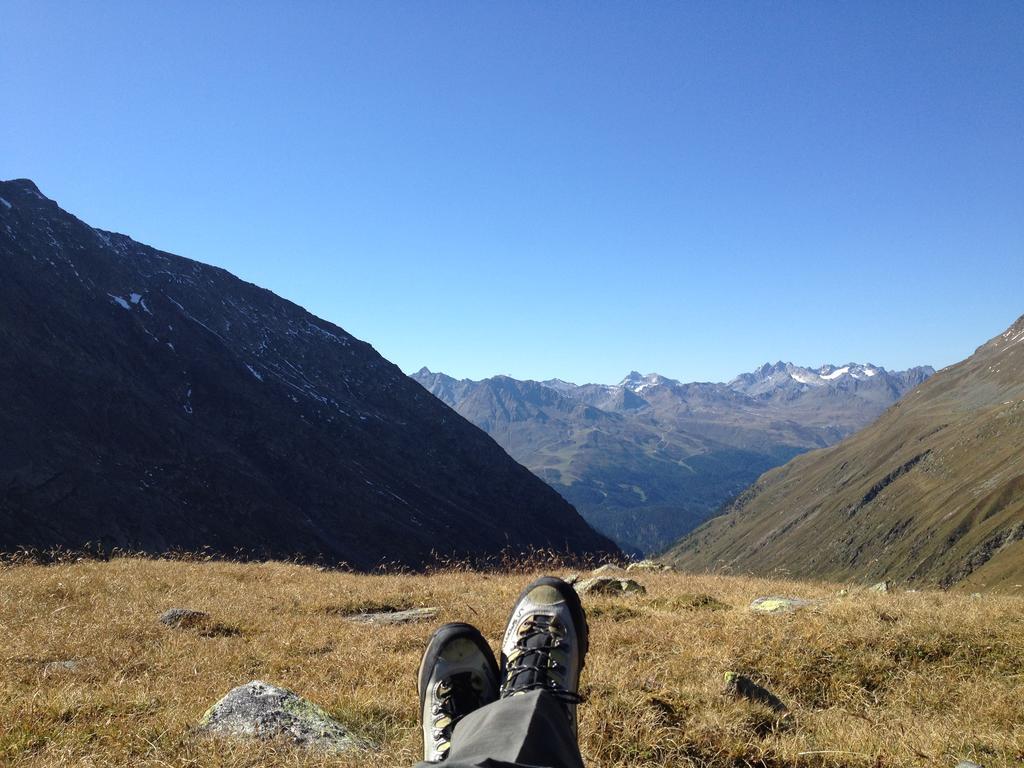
x=607, y=586
x=967, y=764
x=647, y=565
x=608, y=569
x=63, y=665
x=394, y=617
x=184, y=618
x=259, y=710
x=885, y=587
x=779, y=604
x=743, y=687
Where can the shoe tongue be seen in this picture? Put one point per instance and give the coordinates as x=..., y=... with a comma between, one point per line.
x=538, y=641
x=464, y=697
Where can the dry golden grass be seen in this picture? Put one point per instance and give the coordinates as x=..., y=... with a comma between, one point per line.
x=909, y=679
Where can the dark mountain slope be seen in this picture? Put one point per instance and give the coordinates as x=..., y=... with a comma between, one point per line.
x=153, y=402
x=933, y=492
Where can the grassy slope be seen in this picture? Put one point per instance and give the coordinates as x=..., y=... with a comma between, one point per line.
x=872, y=680
x=933, y=492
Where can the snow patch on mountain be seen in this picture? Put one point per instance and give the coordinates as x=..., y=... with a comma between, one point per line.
x=836, y=373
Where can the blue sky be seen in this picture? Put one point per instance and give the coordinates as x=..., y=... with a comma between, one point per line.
x=555, y=189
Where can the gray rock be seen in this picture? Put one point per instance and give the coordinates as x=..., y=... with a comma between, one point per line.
x=885, y=587
x=56, y=667
x=183, y=618
x=967, y=764
x=647, y=565
x=607, y=586
x=259, y=710
x=779, y=604
x=608, y=569
x=743, y=687
x=572, y=578
x=394, y=617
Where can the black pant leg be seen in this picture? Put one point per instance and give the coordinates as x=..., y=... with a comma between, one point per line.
x=530, y=729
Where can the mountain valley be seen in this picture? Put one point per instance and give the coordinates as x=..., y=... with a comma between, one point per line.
x=647, y=460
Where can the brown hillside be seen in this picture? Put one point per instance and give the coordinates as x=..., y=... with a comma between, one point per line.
x=932, y=493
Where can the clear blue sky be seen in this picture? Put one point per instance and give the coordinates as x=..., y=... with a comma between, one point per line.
x=555, y=189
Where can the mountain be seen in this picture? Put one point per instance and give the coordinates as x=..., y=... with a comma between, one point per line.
x=650, y=458
x=154, y=403
x=932, y=493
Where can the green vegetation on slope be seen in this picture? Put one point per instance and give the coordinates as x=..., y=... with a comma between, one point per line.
x=932, y=493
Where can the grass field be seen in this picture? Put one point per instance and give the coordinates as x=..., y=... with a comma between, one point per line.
x=905, y=679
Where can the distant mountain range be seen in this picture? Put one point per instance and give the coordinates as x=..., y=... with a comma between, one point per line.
x=650, y=458
x=932, y=493
x=153, y=403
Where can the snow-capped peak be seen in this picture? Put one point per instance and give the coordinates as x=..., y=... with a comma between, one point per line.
x=854, y=370
x=638, y=382
x=772, y=376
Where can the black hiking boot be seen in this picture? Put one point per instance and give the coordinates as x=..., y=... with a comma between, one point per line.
x=545, y=644
x=458, y=674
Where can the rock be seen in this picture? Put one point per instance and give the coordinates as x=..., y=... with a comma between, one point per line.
x=56, y=667
x=976, y=595
x=779, y=604
x=842, y=593
x=967, y=764
x=608, y=569
x=647, y=565
x=394, y=617
x=183, y=618
x=885, y=587
x=259, y=710
x=186, y=618
x=572, y=578
x=607, y=586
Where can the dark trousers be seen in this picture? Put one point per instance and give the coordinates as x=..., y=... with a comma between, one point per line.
x=530, y=729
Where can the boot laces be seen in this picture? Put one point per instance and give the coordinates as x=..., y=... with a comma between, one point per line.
x=454, y=698
x=533, y=664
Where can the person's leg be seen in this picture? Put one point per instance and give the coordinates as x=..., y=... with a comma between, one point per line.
x=534, y=722
x=530, y=729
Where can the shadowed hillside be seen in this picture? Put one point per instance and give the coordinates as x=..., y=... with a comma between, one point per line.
x=152, y=402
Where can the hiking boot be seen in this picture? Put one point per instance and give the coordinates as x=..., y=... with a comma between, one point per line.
x=545, y=644
x=458, y=674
